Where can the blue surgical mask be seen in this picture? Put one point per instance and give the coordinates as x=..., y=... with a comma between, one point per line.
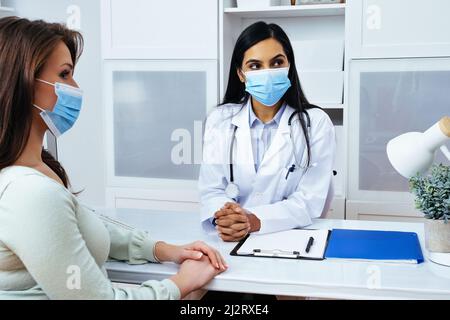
x=66, y=110
x=267, y=86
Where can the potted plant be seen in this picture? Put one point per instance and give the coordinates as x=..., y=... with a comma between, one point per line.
x=432, y=194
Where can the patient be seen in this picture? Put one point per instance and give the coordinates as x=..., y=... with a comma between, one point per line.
x=52, y=247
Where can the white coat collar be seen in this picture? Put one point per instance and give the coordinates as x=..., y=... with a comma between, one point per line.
x=241, y=119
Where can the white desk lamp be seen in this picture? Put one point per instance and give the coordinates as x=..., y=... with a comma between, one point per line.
x=414, y=152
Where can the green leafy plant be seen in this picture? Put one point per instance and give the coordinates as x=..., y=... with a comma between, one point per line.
x=432, y=192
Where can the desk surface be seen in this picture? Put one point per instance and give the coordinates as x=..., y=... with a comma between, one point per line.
x=321, y=279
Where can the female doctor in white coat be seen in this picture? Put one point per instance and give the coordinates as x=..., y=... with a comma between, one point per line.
x=268, y=153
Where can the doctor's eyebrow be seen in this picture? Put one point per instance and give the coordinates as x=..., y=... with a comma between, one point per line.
x=280, y=55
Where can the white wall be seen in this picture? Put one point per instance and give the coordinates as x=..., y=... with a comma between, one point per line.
x=81, y=150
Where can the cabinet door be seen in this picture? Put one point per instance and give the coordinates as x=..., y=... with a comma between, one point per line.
x=155, y=29
x=154, y=119
x=387, y=98
x=5, y=11
x=339, y=163
x=397, y=28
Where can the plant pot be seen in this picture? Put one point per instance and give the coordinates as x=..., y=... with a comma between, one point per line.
x=256, y=4
x=319, y=1
x=437, y=236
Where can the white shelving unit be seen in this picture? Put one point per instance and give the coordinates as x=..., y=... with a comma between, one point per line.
x=332, y=106
x=156, y=30
x=145, y=122
x=316, y=10
x=6, y=11
x=320, y=22
x=394, y=69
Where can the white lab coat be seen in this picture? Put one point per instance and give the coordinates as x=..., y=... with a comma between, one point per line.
x=280, y=203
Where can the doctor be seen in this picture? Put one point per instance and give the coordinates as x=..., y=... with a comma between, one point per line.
x=268, y=153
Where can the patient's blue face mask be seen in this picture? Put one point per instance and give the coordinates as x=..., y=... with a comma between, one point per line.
x=66, y=110
x=267, y=86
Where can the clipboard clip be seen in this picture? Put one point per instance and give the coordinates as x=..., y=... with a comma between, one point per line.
x=276, y=253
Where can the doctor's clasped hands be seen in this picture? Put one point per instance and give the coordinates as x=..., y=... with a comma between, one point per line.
x=234, y=222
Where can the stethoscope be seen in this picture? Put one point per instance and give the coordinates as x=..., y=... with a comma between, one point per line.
x=232, y=189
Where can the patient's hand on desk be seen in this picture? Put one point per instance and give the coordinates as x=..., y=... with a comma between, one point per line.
x=194, y=274
x=234, y=222
x=192, y=251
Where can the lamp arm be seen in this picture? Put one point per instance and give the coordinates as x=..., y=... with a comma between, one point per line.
x=444, y=125
x=446, y=152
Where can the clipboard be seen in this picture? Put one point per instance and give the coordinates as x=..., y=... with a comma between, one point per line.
x=291, y=250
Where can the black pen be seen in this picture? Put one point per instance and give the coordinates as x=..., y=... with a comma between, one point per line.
x=309, y=245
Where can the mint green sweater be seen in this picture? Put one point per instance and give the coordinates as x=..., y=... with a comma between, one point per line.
x=52, y=247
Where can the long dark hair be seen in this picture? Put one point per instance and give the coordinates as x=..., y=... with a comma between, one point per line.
x=294, y=96
x=25, y=46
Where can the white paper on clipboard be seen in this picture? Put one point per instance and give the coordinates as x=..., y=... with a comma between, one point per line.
x=295, y=240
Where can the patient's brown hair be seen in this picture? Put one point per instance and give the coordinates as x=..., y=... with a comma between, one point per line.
x=25, y=46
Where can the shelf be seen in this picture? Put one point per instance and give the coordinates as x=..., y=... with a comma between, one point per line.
x=329, y=105
x=306, y=10
x=6, y=9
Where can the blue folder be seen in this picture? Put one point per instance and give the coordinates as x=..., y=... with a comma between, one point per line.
x=382, y=246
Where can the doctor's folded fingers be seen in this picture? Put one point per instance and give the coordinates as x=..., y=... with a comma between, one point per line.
x=213, y=255
x=227, y=221
x=233, y=206
x=232, y=238
x=235, y=225
x=225, y=211
x=229, y=234
x=234, y=228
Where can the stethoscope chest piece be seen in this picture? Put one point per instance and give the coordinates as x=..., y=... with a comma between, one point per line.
x=232, y=191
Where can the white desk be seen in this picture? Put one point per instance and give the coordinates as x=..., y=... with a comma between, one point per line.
x=322, y=279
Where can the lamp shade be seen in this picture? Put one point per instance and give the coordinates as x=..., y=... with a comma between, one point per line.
x=414, y=152
x=408, y=154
